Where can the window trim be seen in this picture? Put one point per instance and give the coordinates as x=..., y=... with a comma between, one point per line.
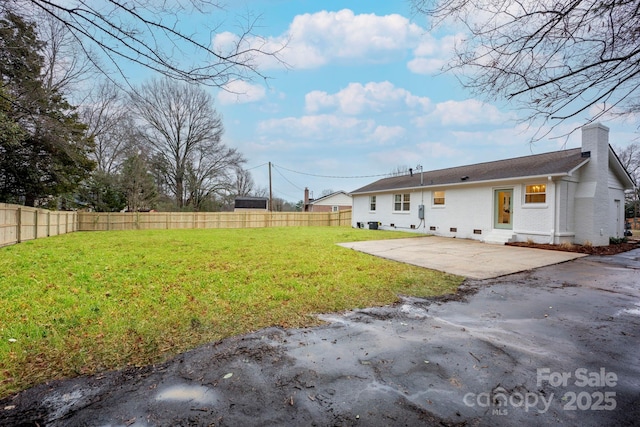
x=532, y=194
x=404, y=202
x=373, y=203
x=444, y=198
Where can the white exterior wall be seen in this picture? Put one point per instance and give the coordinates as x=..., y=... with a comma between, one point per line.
x=616, y=211
x=339, y=199
x=534, y=221
x=467, y=209
x=566, y=189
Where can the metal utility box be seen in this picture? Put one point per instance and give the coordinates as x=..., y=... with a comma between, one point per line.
x=421, y=212
x=373, y=225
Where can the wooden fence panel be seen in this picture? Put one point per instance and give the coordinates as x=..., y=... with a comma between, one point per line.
x=8, y=224
x=22, y=223
x=95, y=221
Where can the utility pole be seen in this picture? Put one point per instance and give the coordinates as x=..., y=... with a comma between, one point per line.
x=270, y=190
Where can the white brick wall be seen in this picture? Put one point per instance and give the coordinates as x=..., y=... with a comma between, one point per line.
x=584, y=205
x=466, y=209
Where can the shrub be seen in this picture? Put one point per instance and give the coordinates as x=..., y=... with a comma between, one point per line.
x=617, y=240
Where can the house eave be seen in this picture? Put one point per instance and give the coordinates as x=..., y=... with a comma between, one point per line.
x=572, y=171
x=506, y=181
x=620, y=170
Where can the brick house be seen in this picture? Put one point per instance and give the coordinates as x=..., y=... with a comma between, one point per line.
x=334, y=202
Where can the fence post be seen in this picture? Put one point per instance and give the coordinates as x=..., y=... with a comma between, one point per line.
x=19, y=225
x=35, y=227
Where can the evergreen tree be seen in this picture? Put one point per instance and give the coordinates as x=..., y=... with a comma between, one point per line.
x=46, y=153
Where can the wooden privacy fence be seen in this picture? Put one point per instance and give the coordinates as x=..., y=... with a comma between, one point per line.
x=21, y=223
x=96, y=221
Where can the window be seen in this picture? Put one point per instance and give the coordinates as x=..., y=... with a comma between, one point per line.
x=438, y=197
x=402, y=202
x=536, y=193
x=335, y=208
x=372, y=203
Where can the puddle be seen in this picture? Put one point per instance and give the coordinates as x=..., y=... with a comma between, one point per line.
x=413, y=312
x=188, y=393
x=62, y=403
x=632, y=311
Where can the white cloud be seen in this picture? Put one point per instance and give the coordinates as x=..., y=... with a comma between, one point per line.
x=316, y=39
x=386, y=134
x=426, y=65
x=465, y=113
x=324, y=37
x=438, y=150
x=318, y=100
x=387, y=161
x=432, y=55
x=240, y=92
x=372, y=97
x=324, y=127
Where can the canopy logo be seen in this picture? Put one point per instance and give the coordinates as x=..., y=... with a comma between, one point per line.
x=502, y=400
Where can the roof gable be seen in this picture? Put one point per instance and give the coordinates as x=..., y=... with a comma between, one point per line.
x=554, y=163
x=329, y=196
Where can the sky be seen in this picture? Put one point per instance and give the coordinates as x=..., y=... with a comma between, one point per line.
x=362, y=96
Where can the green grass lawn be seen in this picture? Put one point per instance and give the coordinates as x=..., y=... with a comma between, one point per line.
x=86, y=302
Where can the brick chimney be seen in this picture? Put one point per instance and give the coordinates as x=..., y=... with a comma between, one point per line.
x=592, y=197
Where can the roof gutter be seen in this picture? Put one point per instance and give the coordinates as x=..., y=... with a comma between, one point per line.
x=470, y=183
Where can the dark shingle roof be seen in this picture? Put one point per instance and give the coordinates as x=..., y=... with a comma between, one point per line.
x=557, y=162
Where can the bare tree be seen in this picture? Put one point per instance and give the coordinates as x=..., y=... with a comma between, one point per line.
x=183, y=130
x=555, y=59
x=66, y=64
x=211, y=172
x=109, y=125
x=400, y=170
x=630, y=159
x=326, y=192
x=260, y=192
x=147, y=32
x=244, y=183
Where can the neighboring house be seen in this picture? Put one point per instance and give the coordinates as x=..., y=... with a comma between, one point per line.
x=334, y=202
x=574, y=195
x=251, y=203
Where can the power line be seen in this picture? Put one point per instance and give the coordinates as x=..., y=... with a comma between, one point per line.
x=330, y=176
x=287, y=195
x=255, y=167
x=285, y=178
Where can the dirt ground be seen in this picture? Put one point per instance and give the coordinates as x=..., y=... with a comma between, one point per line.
x=553, y=346
x=591, y=250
